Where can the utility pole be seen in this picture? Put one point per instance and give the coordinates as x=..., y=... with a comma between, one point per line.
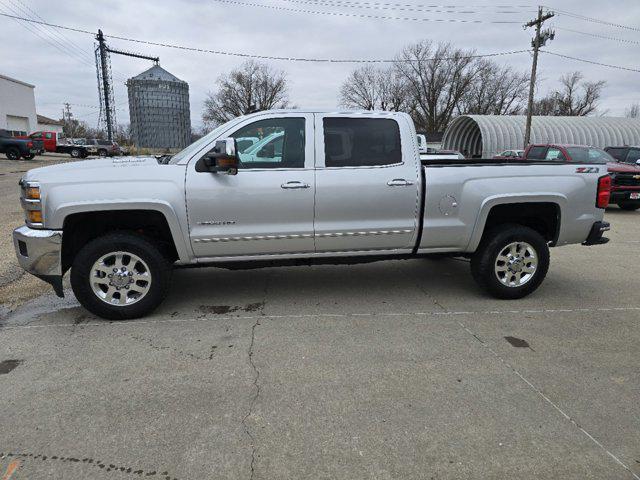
x=538, y=41
x=66, y=118
x=106, y=88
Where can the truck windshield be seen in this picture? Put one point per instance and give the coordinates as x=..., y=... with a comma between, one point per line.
x=208, y=138
x=589, y=155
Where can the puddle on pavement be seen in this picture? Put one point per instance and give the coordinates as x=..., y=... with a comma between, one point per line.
x=44, y=305
x=518, y=342
x=7, y=365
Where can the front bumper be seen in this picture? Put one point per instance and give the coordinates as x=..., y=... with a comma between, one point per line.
x=595, y=235
x=39, y=252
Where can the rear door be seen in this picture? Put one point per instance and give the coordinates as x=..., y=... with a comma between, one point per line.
x=367, y=184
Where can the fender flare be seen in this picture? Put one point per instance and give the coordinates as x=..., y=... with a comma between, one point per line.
x=559, y=200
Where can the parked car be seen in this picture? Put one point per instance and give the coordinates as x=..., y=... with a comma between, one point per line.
x=344, y=188
x=510, y=154
x=14, y=147
x=625, y=176
x=104, y=148
x=52, y=142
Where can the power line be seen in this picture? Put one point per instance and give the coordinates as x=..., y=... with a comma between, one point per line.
x=398, y=6
x=261, y=57
x=618, y=67
x=362, y=15
x=595, y=20
x=604, y=37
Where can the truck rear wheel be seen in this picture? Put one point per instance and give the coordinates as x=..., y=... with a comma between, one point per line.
x=120, y=276
x=29, y=156
x=75, y=153
x=511, y=261
x=12, y=154
x=629, y=205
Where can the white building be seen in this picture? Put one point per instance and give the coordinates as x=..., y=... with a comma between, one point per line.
x=46, y=124
x=17, y=106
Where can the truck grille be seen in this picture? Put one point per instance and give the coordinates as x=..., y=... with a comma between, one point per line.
x=627, y=180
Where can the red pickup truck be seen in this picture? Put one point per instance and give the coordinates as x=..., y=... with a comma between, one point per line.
x=53, y=143
x=625, y=177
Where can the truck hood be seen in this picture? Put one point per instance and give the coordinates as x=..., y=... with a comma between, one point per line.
x=104, y=168
x=621, y=167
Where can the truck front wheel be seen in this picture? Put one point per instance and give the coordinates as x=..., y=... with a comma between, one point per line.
x=12, y=153
x=511, y=261
x=29, y=156
x=120, y=276
x=75, y=153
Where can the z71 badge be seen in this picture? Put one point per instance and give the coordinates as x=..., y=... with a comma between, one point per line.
x=587, y=170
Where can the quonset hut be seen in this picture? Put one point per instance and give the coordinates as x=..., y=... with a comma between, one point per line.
x=159, y=110
x=487, y=135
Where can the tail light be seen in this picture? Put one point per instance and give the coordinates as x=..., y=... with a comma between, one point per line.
x=604, y=192
x=29, y=144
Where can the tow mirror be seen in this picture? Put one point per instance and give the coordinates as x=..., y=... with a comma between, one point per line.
x=223, y=158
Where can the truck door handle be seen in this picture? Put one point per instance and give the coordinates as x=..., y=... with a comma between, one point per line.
x=295, y=184
x=399, y=182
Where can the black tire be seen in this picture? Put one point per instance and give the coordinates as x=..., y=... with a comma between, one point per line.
x=76, y=153
x=82, y=273
x=29, y=156
x=12, y=154
x=630, y=206
x=102, y=152
x=484, y=261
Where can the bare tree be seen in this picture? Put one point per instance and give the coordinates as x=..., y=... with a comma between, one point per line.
x=252, y=87
x=633, y=111
x=371, y=88
x=575, y=98
x=495, y=90
x=361, y=89
x=437, y=78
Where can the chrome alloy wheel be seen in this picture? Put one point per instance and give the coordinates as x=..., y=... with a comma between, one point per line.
x=120, y=278
x=516, y=264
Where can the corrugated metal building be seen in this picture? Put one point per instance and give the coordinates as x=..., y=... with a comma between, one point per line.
x=159, y=110
x=488, y=135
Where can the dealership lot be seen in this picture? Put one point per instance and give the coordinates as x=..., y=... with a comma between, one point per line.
x=398, y=369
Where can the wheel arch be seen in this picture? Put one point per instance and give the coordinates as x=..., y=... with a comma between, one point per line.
x=81, y=224
x=541, y=213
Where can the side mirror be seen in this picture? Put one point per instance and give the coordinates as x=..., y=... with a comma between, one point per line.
x=222, y=159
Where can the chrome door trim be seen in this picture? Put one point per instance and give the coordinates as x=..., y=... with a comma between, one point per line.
x=301, y=235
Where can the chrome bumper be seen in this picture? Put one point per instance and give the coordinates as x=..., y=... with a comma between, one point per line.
x=39, y=252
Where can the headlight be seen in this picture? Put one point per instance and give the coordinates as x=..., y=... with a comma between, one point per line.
x=31, y=203
x=32, y=193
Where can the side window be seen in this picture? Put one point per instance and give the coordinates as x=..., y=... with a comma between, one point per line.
x=617, y=153
x=554, y=154
x=634, y=155
x=36, y=136
x=272, y=143
x=48, y=136
x=361, y=142
x=537, y=153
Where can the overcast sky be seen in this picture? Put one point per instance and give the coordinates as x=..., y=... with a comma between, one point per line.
x=61, y=77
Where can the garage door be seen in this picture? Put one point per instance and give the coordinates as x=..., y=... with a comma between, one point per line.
x=20, y=124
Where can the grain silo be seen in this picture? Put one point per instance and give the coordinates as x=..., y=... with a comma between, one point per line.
x=159, y=110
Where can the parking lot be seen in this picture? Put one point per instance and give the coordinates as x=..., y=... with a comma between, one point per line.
x=396, y=369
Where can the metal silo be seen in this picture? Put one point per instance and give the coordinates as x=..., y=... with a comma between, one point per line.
x=159, y=110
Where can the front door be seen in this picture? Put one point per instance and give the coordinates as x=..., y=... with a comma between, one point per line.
x=267, y=208
x=367, y=185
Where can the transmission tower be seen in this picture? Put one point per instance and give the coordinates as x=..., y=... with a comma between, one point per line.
x=105, y=81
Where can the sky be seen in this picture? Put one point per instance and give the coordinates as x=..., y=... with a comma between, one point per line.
x=61, y=64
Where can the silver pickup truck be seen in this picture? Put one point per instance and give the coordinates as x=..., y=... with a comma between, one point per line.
x=304, y=187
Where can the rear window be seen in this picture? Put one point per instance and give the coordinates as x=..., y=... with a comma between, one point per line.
x=361, y=142
x=589, y=155
x=537, y=153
